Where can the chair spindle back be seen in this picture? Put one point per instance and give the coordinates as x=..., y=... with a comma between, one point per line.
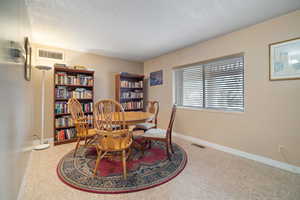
x=153, y=107
x=109, y=115
x=111, y=126
x=172, y=119
x=78, y=117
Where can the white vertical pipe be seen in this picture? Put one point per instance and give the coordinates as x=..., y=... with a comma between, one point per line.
x=43, y=107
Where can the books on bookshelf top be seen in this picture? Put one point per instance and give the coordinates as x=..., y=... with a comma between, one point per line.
x=61, y=78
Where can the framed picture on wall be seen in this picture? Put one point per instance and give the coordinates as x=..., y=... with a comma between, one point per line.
x=156, y=78
x=27, y=65
x=285, y=60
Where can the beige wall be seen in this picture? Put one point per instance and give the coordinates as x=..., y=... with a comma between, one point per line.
x=16, y=96
x=272, y=110
x=105, y=69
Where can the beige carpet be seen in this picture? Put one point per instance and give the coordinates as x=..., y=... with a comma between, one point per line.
x=209, y=175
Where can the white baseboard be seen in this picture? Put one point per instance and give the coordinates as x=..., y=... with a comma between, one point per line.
x=46, y=140
x=262, y=159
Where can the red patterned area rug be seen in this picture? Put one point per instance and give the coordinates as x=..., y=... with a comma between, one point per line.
x=144, y=172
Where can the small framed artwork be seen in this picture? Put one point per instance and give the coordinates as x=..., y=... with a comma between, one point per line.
x=285, y=60
x=27, y=65
x=156, y=78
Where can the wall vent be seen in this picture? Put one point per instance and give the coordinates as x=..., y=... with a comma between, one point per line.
x=50, y=54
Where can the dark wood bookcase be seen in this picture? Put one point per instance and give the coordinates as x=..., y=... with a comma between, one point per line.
x=130, y=91
x=68, y=83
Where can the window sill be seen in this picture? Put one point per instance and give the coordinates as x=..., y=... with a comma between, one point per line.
x=211, y=110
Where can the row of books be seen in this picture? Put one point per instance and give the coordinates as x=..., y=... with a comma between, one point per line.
x=131, y=84
x=61, y=78
x=134, y=94
x=132, y=105
x=67, y=121
x=62, y=107
x=65, y=134
x=61, y=92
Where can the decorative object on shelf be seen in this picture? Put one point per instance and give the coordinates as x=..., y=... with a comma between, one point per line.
x=27, y=65
x=77, y=171
x=42, y=145
x=71, y=83
x=60, y=65
x=80, y=67
x=130, y=91
x=285, y=60
x=156, y=78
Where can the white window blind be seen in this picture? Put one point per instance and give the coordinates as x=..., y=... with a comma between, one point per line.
x=215, y=85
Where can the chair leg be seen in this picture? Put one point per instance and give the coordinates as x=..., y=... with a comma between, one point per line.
x=97, y=163
x=171, y=146
x=76, y=148
x=167, y=150
x=149, y=144
x=124, y=164
x=99, y=157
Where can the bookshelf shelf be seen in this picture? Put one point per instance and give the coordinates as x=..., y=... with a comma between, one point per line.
x=130, y=99
x=71, y=83
x=124, y=88
x=130, y=91
x=64, y=114
x=84, y=86
x=77, y=99
x=64, y=127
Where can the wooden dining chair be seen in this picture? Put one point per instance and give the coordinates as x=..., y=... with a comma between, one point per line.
x=114, y=138
x=161, y=134
x=152, y=107
x=81, y=124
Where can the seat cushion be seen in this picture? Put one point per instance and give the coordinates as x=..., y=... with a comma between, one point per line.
x=155, y=133
x=145, y=126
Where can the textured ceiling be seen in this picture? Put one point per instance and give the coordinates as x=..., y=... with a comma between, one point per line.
x=143, y=29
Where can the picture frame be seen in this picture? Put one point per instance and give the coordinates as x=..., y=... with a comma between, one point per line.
x=28, y=56
x=284, y=60
x=156, y=78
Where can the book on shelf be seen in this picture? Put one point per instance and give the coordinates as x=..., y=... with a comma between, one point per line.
x=132, y=94
x=62, y=78
x=131, y=84
x=133, y=105
x=61, y=92
x=65, y=134
x=62, y=107
x=67, y=121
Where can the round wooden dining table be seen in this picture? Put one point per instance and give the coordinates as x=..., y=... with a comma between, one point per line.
x=133, y=118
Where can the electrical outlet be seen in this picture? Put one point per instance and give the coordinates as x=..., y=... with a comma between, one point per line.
x=280, y=148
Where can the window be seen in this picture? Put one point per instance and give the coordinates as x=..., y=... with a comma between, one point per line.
x=217, y=85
